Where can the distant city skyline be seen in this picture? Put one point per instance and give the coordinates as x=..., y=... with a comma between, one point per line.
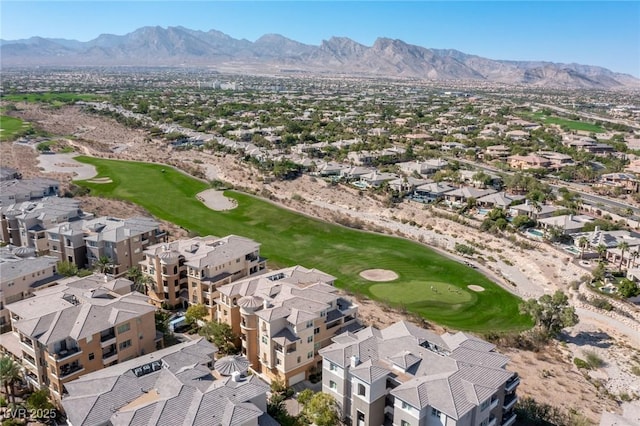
x=605, y=34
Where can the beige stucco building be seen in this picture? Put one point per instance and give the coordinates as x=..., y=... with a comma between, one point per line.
x=77, y=327
x=283, y=318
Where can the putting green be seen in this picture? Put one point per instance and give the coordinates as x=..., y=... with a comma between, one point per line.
x=423, y=293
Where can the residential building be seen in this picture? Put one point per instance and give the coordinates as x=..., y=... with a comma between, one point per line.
x=499, y=152
x=430, y=192
x=628, y=182
x=21, y=276
x=172, y=386
x=77, y=327
x=407, y=376
x=459, y=196
x=283, y=318
x=558, y=160
x=18, y=190
x=500, y=200
x=566, y=224
x=534, y=211
x=525, y=162
x=190, y=270
x=122, y=241
x=24, y=223
x=9, y=173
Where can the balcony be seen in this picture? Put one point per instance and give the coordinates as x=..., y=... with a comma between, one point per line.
x=63, y=354
x=492, y=421
x=509, y=401
x=107, y=341
x=110, y=356
x=27, y=343
x=509, y=419
x=69, y=369
x=494, y=403
x=512, y=383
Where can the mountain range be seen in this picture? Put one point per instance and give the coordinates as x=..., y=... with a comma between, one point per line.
x=275, y=54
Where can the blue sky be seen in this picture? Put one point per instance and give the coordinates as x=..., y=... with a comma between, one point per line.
x=591, y=32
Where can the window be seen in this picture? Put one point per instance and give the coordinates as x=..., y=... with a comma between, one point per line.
x=91, y=356
x=310, y=355
x=126, y=344
x=333, y=385
x=333, y=367
x=362, y=391
x=406, y=406
x=435, y=413
x=485, y=422
x=299, y=359
x=123, y=328
x=405, y=423
x=278, y=362
x=485, y=405
x=264, y=339
x=317, y=330
x=309, y=324
x=309, y=339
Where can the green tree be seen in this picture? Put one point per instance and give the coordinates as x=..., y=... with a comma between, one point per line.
x=66, y=268
x=583, y=243
x=103, y=264
x=322, y=410
x=38, y=401
x=305, y=396
x=628, y=288
x=552, y=313
x=622, y=246
x=139, y=279
x=602, y=250
x=9, y=374
x=195, y=313
x=221, y=335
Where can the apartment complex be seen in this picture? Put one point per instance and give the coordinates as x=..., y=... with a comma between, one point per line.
x=190, y=271
x=18, y=190
x=20, y=277
x=173, y=386
x=283, y=318
x=123, y=241
x=407, y=376
x=79, y=326
x=24, y=223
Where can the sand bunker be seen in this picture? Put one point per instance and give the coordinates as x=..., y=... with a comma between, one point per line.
x=379, y=275
x=64, y=163
x=100, y=180
x=216, y=200
x=476, y=288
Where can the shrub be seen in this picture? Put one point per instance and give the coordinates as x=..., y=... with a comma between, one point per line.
x=593, y=359
x=635, y=370
x=601, y=303
x=580, y=363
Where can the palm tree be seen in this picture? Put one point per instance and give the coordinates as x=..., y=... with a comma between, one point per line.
x=602, y=250
x=622, y=245
x=139, y=279
x=582, y=243
x=633, y=257
x=103, y=264
x=9, y=374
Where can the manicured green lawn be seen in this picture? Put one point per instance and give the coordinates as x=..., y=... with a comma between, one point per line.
x=570, y=124
x=11, y=127
x=289, y=238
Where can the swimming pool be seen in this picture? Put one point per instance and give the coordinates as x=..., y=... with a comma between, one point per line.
x=535, y=233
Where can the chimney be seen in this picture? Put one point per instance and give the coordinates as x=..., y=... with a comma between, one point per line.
x=596, y=229
x=266, y=304
x=355, y=361
x=105, y=278
x=526, y=202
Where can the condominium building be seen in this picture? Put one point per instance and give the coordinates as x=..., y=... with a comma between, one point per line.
x=283, y=318
x=190, y=271
x=407, y=376
x=79, y=326
x=18, y=190
x=123, y=241
x=20, y=277
x=24, y=223
x=173, y=386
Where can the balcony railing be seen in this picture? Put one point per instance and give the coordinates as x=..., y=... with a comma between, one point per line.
x=66, y=353
x=494, y=403
x=67, y=370
x=109, y=357
x=509, y=420
x=492, y=421
x=512, y=383
x=509, y=402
